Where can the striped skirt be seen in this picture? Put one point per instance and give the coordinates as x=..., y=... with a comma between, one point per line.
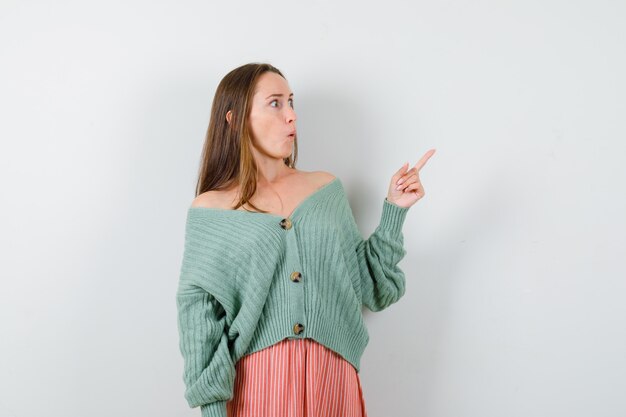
x=296, y=378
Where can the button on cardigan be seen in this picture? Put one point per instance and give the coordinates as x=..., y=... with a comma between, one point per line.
x=249, y=280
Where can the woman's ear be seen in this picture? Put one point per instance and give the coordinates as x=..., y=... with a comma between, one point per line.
x=228, y=116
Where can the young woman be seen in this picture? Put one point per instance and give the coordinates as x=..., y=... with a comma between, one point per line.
x=275, y=271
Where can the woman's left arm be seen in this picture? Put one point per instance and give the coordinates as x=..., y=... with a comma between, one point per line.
x=382, y=281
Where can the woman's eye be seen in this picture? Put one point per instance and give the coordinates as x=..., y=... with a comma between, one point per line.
x=276, y=101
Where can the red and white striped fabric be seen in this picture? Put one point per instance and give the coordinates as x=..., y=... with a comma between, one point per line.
x=296, y=378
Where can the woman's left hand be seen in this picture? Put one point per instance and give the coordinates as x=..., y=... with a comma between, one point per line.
x=405, y=187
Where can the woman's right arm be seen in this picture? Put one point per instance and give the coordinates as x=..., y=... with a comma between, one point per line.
x=209, y=371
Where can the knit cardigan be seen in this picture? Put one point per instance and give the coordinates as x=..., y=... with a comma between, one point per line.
x=249, y=280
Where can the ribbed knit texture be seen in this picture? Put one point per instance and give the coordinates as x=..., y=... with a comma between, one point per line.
x=235, y=295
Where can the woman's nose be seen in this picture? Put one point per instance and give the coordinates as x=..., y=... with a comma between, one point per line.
x=291, y=115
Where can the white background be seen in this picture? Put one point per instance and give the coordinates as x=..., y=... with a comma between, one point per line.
x=515, y=265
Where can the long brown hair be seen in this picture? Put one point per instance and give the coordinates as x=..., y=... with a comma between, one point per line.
x=227, y=156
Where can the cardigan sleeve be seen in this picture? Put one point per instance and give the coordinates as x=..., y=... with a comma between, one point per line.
x=382, y=281
x=209, y=371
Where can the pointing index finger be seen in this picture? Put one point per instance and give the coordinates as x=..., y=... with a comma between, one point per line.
x=420, y=164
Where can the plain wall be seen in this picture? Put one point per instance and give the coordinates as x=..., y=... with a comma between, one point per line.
x=515, y=265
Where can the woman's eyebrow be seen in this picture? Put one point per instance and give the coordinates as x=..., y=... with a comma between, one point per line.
x=277, y=95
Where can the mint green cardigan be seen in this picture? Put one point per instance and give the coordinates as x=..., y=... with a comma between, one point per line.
x=249, y=280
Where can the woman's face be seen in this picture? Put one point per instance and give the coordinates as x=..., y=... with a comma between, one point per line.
x=272, y=118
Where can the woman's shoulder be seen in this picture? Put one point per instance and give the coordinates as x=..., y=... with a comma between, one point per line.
x=213, y=199
x=322, y=177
